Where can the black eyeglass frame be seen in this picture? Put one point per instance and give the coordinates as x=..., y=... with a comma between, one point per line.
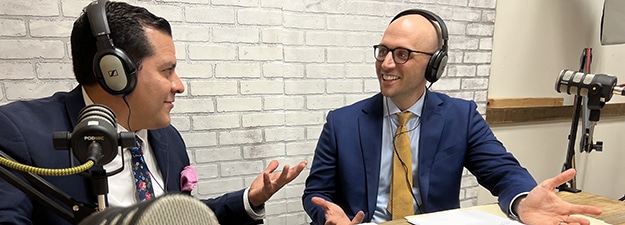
x=392, y=51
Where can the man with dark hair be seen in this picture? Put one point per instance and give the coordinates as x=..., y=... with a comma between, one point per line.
x=402, y=151
x=134, y=75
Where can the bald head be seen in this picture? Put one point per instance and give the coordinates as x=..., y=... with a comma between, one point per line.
x=413, y=32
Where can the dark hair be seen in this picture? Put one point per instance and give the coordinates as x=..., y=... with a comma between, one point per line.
x=126, y=23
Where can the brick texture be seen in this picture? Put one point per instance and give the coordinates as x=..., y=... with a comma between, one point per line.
x=260, y=75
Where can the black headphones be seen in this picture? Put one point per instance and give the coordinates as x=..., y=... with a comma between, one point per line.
x=112, y=67
x=438, y=61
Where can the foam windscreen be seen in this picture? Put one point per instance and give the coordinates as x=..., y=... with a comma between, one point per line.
x=165, y=210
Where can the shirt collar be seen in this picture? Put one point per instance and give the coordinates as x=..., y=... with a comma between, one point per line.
x=390, y=108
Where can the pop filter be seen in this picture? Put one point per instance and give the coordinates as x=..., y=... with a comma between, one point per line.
x=165, y=210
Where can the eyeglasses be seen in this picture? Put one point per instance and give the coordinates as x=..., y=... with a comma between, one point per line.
x=400, y=55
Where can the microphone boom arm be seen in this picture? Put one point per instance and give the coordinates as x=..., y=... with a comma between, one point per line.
x=79, y=211
x=594, y=104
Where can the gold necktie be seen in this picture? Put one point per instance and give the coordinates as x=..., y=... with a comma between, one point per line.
x=400, y=200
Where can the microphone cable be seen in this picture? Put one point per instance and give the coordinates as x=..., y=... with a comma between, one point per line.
x=396, y=152
x=129, y=113
x=4, y=160
x=403, y=164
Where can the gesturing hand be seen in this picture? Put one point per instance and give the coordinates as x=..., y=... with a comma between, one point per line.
x=543, y=206
x=268, y=183
x=335, y=215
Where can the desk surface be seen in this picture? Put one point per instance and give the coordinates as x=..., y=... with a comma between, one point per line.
x=613, y=210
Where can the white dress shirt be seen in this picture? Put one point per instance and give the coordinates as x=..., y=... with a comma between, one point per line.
x=122, y=191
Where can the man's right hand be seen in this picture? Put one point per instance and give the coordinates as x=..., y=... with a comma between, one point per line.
x=335, y=215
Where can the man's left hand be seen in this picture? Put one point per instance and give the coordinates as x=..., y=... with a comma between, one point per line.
x=543, y=206
x=268, y=183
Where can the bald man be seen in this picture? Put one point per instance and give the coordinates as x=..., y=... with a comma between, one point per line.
x=357, y=156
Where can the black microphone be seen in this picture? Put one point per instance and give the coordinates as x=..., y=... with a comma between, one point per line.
x=95, y=136
x=588, y=85
x=165, y=210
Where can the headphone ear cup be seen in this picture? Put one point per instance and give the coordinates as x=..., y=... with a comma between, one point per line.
x=115, y=71
x=436, y=66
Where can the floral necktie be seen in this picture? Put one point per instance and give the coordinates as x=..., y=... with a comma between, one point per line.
x=143, y=182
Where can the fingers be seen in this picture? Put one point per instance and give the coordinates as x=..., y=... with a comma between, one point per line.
x=321, y=203
x=580, y=209
x=288, y=173
x=273, y=165
x=266, y=179
x=360, y=216
x=295, y=171
x=284, y=176
x=576, y=220
x=585, y=209
x=300, y=166
x=558, y=180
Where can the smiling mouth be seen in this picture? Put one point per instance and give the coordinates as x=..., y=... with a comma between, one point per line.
x=389, y=78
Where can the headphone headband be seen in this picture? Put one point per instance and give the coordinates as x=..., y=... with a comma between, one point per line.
x=433, y=18
x=96, y=11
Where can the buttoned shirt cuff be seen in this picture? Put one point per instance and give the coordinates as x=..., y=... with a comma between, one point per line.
x=512, y=214
x=254, y=213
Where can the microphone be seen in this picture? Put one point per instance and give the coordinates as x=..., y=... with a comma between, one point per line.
x=95, y=139
x=165, y=210
x=95, y=136
x=588, y=85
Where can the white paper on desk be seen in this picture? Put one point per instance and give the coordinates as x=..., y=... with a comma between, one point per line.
x=464, y=217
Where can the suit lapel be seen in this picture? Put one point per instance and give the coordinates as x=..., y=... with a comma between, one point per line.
x=73, y=104
x=431, y=128
x=370, y=131
x=160, y=149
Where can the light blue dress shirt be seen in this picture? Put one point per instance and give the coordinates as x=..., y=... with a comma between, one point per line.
x=389, y=128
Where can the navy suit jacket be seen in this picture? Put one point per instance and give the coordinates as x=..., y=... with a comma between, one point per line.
x=346, y=164
x=26, y=129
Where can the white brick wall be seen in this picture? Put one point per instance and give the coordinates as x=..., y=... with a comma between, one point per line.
x=260, y=75
x=13, y=27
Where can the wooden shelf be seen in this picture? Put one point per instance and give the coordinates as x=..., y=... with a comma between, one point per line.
x=511, y=111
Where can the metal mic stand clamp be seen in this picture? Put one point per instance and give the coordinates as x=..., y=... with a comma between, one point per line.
x=596, y=102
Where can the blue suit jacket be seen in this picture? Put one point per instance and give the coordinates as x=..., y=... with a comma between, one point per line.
x=26, y=129
x=346, y=165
